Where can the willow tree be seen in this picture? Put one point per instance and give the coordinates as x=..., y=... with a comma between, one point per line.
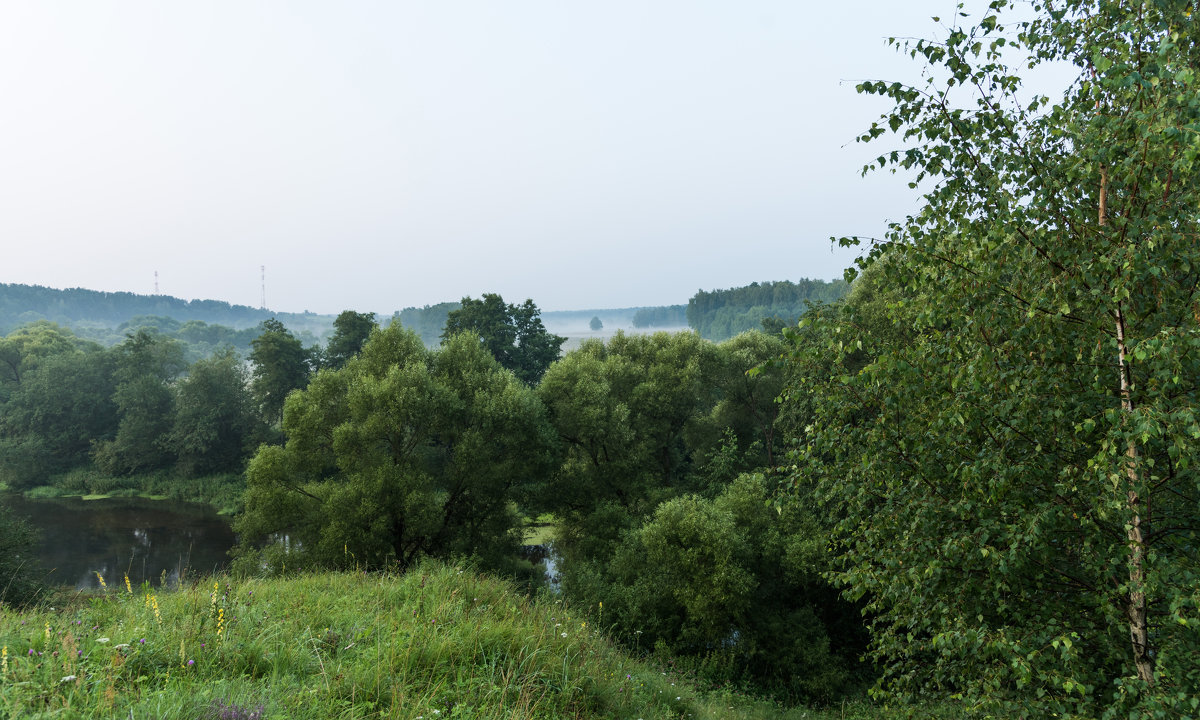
x=1013, y=479
x=400, y=454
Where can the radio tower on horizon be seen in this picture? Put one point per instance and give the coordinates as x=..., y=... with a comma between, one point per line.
x=263, y=269
x=155, y=282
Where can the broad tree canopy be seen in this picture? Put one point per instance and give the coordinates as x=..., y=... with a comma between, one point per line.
x=1014, y=475
x=404, y=452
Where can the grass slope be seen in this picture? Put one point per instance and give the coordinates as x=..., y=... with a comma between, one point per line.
x=435, y=643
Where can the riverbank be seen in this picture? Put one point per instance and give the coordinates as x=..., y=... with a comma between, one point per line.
x=438, y=642
x=223, y=492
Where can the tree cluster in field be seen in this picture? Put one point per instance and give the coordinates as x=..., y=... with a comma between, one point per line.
x=721, y=314
x=139, y=406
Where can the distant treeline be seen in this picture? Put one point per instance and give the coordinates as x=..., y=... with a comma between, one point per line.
x=79, y=308
x=198, y=338
x=721, y=314
x=427, y=322
x=663, y=316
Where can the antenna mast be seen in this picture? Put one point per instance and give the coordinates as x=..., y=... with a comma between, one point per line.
x=263, y=270
x=155, y=282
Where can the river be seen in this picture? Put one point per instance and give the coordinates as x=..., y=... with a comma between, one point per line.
x=151, y=540
x=156, y=541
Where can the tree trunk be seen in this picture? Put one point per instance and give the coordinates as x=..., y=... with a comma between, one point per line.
x=1135, y=601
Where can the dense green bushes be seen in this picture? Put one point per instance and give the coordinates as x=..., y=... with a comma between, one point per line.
x=402, y=453
x=1012, y=476
x=658, y=525
x=734, y=588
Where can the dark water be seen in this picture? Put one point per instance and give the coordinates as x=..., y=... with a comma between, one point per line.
x=144, y=538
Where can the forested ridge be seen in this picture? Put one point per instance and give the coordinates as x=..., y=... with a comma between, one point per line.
x=21, y=304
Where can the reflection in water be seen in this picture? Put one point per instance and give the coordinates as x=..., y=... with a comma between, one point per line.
x=544, y=554
x=152, y=540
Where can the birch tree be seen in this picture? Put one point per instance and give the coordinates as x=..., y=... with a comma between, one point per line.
x=1014, y=483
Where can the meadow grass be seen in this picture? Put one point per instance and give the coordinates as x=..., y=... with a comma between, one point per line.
x=438, y=642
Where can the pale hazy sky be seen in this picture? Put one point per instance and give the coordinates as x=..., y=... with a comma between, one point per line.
x=376, y=155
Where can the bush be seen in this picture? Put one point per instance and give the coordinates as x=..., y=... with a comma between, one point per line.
x=733, y=590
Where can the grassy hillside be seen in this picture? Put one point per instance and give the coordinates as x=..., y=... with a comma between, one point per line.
x=436, y=643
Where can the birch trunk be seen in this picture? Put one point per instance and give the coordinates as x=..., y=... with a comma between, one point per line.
x=1135, y=601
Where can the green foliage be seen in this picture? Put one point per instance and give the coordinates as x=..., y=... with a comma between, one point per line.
x=60, y=405
x=1011, y=473
x=631, y=412
x=721, y=314
x=211, y=337
x=513, y=334
x=653, y=426
x=123, y=408
x=402, y=453
x=215, y=424
x=595, y=324
x=281, y=365
x=747, y=382
x=736, y=585
x=146, y=363
x=643, y=418
x=24, y=348
x=350, y=332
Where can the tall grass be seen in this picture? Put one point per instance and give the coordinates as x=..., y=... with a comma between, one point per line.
x=438, y=642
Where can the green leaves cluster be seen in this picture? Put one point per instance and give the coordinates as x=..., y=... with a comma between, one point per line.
x=132, y=409
x=658, y=522
x=513, y=334
x=637, y=445
x=736, y=587
x=281, y=365
x=1003, y=429
x=401, y=453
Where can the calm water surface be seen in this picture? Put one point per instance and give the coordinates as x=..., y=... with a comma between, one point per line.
x=145, y=538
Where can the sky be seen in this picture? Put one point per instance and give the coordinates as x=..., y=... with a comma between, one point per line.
x=375, y=155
